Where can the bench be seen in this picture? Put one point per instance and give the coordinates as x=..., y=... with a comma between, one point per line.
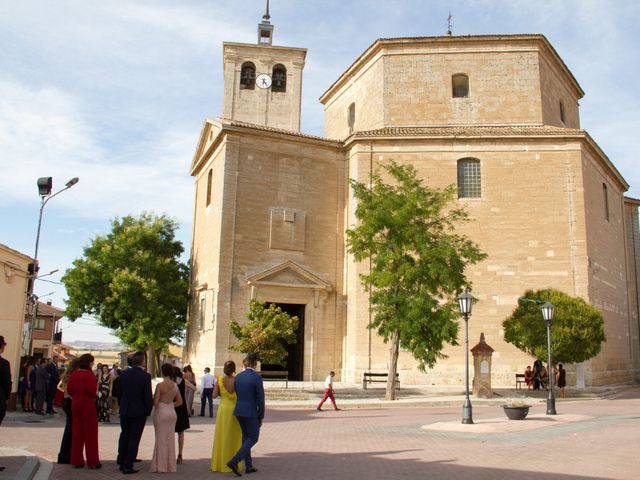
x=519, y=380
x=370, y=377
x=275, y=375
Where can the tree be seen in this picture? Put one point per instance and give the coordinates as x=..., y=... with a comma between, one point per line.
x=407, y=231
x=577, y=328
x=266, y=332
x=133, y=281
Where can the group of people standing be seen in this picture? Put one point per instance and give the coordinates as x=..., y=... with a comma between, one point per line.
x=538, y=377
x=38, y=385
x=238, y=420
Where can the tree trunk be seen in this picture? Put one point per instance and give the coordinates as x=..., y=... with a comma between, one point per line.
x=152, y=361
x=393, y=365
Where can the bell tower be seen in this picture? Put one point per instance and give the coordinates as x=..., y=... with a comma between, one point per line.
x=263, y=82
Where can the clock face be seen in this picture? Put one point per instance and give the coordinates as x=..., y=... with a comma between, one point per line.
x=263, y=80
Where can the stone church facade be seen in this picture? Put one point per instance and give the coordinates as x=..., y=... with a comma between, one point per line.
x=498, y=115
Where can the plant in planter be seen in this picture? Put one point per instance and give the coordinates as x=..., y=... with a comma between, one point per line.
x=516, y=408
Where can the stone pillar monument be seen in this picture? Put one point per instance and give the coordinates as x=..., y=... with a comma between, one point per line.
x=482, y=369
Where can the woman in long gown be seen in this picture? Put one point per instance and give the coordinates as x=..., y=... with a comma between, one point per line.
x=228, y=436
x=165, y=399
x=182, y=420
x=84, y=428
x=105, y=386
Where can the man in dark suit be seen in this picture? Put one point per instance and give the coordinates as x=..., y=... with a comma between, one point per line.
x=136, y=402
x=5, y=383
x=249, y=411
x=52, y=386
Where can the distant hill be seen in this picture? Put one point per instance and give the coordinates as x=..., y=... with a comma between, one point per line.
x=94, y=346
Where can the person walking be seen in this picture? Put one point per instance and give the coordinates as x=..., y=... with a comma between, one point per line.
x=328, y=392
x=228, y=435
x=64, y=455
x=136, y=403
x=249, y=411
x=42, y=382
x=165, y=400
x=5, y=383
x=84, y=428
x=207, y=383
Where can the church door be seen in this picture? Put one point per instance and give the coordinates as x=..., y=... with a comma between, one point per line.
x=295, y=359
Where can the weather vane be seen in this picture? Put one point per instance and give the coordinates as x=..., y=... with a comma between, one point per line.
x=449, y=24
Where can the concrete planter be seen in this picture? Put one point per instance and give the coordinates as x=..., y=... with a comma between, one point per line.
x=516, y=413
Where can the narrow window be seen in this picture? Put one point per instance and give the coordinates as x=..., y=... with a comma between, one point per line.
x=352, y=117
x=209, y=181
x=460, y=85
x=469, y=178
x=248, y=76
x=562, y=117
x=203, y=311
x=606, y=202
x=279, y=79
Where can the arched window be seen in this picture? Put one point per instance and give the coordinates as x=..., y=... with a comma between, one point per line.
x=209, y=181
x=469, y=185
x=279, y=77
x=460, y=85
x=248, y=76
x=351, y=116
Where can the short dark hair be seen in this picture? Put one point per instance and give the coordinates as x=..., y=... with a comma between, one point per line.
x=250, y=360
x=137, y=359
x=207, y=369
x=167, y=370
x=229, y=367
x=187, y=369
x=177, y=372
x=85, y=361
x=2, y=342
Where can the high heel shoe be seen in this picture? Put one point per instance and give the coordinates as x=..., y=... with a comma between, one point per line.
x=179, y=460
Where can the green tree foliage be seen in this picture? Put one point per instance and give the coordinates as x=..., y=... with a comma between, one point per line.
x=407, y=232
x=577, y=328
x=133, y=281
x=267, y=330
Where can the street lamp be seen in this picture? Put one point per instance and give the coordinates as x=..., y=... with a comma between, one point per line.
x=45, y=186
x=547, y=314
x=466, y=304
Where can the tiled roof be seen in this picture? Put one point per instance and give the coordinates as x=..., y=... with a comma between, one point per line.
x=49, y=310
x=236, y=123
x=471, y=131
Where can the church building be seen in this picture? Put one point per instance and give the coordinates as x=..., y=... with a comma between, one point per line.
x=496, y=115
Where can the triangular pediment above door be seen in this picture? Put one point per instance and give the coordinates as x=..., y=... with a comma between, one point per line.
x=289, y=274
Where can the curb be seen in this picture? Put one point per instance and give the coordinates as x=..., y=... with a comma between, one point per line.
x=30, y=466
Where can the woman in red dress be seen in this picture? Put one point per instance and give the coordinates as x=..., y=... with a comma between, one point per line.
x=84, y=436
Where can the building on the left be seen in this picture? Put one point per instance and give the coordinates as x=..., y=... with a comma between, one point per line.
x=16, y=316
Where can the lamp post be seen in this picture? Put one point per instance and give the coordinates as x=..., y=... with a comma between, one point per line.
x=547, y=314
x=45, y=186
x=466, y=303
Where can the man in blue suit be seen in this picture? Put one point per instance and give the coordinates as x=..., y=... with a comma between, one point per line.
x=136, y=402
x=249, y=411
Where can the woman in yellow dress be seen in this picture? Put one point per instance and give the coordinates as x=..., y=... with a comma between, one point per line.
x=228, y=436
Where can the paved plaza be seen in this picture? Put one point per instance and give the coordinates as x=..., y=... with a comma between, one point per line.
x=589, y=439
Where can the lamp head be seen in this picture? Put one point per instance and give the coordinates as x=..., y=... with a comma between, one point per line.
x=72, y=182
x=547, y=311
x=465, y=301
x=45, y=185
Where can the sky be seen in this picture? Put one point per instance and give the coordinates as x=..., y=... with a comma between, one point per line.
x=116, y=93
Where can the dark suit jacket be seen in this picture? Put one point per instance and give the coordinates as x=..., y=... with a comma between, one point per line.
x=250, y=391
x=5, y=381
x=134, y=393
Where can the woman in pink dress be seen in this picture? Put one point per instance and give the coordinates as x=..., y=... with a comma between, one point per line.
x=165, y=399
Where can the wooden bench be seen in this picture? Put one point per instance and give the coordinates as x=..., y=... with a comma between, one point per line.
x=519, y=380
x=371, y=377
x=275, y=375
